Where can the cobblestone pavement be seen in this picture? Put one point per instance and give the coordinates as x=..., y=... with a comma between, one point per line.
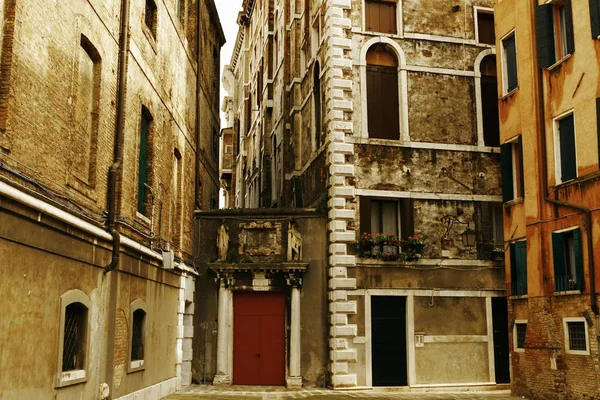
x=278, y=393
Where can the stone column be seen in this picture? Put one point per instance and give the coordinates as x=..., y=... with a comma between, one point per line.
x=294, y=380
x=222, y=377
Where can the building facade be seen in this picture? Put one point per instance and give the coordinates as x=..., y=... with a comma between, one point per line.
x=549, y=113
x=383, y=114
x=107, y=146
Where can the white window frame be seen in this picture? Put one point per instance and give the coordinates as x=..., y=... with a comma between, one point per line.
x=557, y=156
x=68, y=378
x=484, y=10
x=566, y=336
x=515, y=348
x=502, y=52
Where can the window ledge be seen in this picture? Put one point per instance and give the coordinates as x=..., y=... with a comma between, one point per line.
x=519, y=297
x=519, y=350
x=567, y=293
x=558, y=63
x=509, y=93
x=135, y=366
x=143, y=217
x=69, y=378
x=513, y=202
x=577, y=352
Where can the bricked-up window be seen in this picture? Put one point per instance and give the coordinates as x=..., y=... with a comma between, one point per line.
x=518, y=268
x=489, y=101
x=380, y=16
x=510, y=79
x=84, y=141
x=568, y=260
x=520, y=333
x=512, y=170
x=137, y=335
x=382, y=93
x=565, y=149
x=151, y=17
x=386, y=216
x=554, y=31
x=595, y=18
x=74, y=339
x=144, y=161
x=577, y=335
x=485, y=27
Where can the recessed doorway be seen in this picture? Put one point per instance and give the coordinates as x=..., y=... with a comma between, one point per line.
x=388, y=336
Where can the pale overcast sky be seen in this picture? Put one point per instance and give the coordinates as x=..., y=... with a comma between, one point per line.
x=228, y=11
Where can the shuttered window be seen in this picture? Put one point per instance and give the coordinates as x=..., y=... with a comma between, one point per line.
x=568, y=260
x=382, y=102
x=511, y=154
x=377, y=215
x=554, y=32
x=566, y=158
x=510, y=63
x=518, y=268
x=146, y=121
x=380, y=16
x=595, y=18
x=485, y=27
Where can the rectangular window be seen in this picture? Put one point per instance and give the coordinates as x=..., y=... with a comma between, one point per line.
x=380, y=16
x=509, y=63
x=554, y=32
x=485, y=27
x=576, y=336
x=568, y=260
x=565, y=149
x=497, y=225
x=387, y=216
x=150, y=17
x=145, y=125
x=74, y=337
x=519, y=334
x=512, y=170
x=137, y=335
x=518, y=268
x=595, y=18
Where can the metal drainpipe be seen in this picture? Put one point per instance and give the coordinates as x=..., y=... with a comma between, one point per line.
x=198, y=97
x=588, y=214
x=118, y=152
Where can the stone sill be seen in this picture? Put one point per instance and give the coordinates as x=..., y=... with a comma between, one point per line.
x=431, y=262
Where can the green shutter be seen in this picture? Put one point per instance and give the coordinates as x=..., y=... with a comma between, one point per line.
x=568, y=162
x=544, y=28
x=578, y=252
x=560, y=269
x=520, y=171
x=569, y=27
x=521, y=259
x=595, y=18
x=507, y=172
x=510, y=48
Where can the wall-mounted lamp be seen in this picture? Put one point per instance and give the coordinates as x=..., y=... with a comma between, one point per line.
x=468, y=237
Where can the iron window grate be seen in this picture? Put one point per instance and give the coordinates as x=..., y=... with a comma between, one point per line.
x=521, y=331
x=577, y=336
x=73, y=337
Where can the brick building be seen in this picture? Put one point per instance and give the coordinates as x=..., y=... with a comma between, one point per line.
x=381, y=114
x=108, y=142
x=550, y=111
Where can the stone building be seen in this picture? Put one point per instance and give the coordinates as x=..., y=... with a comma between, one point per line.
x=108, y=134
x=382, y=114
x=550, y=112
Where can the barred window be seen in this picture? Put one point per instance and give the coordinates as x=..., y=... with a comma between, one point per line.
x=521, y=330
x=577, y=337
x=74, y=337
x=137, y=336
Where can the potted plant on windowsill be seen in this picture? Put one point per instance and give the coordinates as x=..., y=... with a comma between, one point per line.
x=386, y=246
x=413, y=247
x=365, y=245
x=498, y=253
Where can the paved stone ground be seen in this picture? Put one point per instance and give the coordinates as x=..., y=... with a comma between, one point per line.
x=277, y=393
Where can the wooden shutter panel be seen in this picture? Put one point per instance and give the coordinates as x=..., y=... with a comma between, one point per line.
x=507, y=173
x=569, y=27
x=521, y=259
x=365, y=214
x=578, y=253
x=407, y=218
x=595, y=18
x=374, y=106
x=520, y=171
x=568, y=163
x=389, y=16
x=545, y=35
x=511, y=63
x=560, y=269
x=370, y=9
x=390, y=124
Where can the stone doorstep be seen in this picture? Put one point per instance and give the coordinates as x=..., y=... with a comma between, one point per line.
x=499, y=388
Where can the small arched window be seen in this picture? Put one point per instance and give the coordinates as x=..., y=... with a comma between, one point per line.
x=318, y=139
x=489, y=101
x=137, y=335
x=382, y=93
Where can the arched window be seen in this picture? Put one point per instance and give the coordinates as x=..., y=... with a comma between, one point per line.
x=489, y=101
x=318, y=140
x=382, y=93
x=137, y=335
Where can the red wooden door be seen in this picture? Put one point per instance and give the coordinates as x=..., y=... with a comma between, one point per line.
x=259, y=338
